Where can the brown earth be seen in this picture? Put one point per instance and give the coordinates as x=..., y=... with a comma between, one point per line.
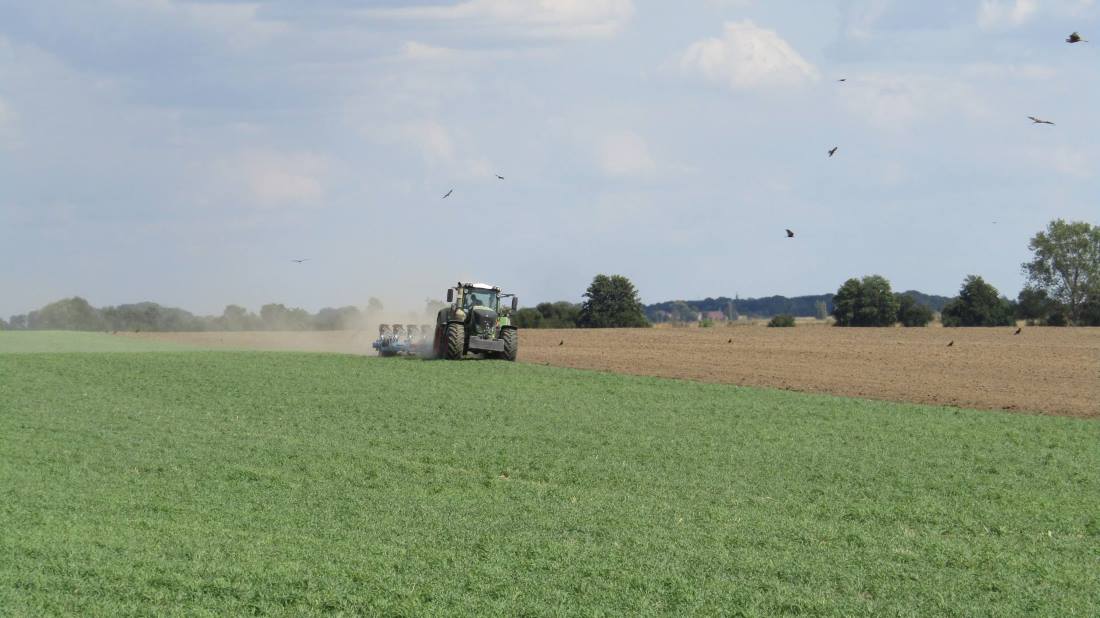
x=1048, y=370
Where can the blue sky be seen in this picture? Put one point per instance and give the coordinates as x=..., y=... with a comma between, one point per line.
x=184, y=152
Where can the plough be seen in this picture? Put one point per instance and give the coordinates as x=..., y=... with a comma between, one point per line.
x=394, y=339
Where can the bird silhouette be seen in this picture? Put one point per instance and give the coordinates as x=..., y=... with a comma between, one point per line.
x=842, y=79
x=300, y=261
x=562, y=342
x=1035, y=120
x=499, y=177
x=833, y=151
x=1075, y=38
x=448, y=194
x=1018, y=331
x=730, y=340
x=951, y=343
x=790, y=234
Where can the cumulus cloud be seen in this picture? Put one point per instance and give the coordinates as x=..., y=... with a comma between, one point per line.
x=747, y=56
x=542, y=18
x=1000, y=13
x=624, y=154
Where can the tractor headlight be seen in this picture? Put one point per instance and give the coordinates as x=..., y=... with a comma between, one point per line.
x=460, y=315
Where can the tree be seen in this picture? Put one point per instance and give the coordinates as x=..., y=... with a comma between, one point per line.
x=865, y=302
x=1066, y=264
x=344, y=318
x=821, y=309
x=277, y=316
x=3, y=324
x=69, y=314
x=978, y=304
x=912, y=313
x=18, y=322
x=612, y=303
x=236, y=318
x=781, y=321
x=1033, y=305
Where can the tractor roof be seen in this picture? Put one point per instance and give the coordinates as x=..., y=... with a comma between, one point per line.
x=481, y=286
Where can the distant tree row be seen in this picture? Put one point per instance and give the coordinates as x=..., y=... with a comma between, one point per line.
x=1063, y=287
x=611, y=302
x=77, y=314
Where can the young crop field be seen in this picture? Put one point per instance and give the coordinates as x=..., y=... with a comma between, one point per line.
x=229, y=483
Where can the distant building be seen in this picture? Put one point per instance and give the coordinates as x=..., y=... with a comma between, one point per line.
x=713, y=316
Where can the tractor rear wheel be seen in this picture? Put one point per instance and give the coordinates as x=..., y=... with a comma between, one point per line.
x=454, y=341
x=511, y=343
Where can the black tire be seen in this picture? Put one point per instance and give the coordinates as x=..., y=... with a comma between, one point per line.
x=511, y=343
x=455, y=342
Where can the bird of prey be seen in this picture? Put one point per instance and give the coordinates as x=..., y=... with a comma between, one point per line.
x=1018, y=331
x=448, y=194
x=1035, y=120
x=951, y=343
x=842, y=79
x=1075, y=38
x=499, y=177
x=299, y=261
x=790, y=234
x=832, y=151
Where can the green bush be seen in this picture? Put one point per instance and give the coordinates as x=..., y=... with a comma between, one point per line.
x=782, y=321
x=978, y=304
x=866, y=302
x=911, y=313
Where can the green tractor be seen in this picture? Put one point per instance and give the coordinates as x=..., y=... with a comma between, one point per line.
x=476, y=322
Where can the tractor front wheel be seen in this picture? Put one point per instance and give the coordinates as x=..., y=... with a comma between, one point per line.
x=454, y=341
x=511, y=343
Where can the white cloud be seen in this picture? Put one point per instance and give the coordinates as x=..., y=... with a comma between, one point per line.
x=745, y=57
x=270, y=178
x=1000, y=13
x=435, y=143
x=624, y=154
x=541, y=18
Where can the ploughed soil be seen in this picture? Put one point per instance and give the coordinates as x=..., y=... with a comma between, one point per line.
x=1047, y=370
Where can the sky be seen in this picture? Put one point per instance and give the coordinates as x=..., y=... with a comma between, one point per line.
x=184, y=152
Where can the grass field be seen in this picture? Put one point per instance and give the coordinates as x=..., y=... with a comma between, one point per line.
x=21, y=342
x=227, y=483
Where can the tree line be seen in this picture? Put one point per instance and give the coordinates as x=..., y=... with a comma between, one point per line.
x=1062, y=288
x=77, y=313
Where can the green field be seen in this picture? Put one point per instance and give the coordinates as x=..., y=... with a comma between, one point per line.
x=229, y=483
x=17, y=342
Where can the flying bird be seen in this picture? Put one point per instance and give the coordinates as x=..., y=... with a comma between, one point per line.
x=1018, y=331
x=842, y=79
x=951, y=343
x=1075, y=38
x=833, y=151
x=448, y=194
x=499, y=177
x=790, y=234
x=300, y=261
x=1035, y=120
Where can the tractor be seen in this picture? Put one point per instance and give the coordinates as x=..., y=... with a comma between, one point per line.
x=475, y=321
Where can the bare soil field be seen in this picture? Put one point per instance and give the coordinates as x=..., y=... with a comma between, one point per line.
x=1048, y=370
